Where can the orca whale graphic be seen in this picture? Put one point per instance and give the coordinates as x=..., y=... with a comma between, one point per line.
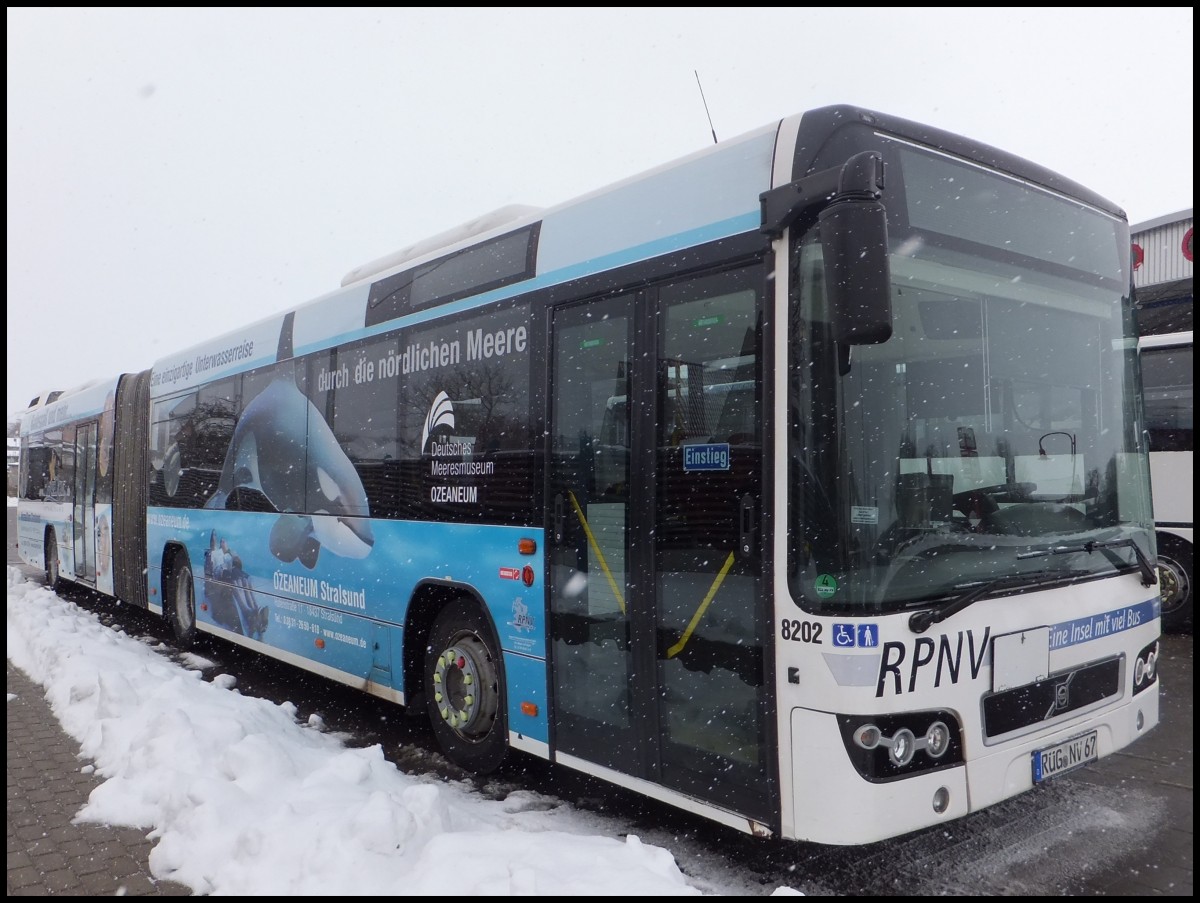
x=284, y=457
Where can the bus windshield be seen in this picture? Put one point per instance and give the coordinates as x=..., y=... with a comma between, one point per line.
x=997, y=432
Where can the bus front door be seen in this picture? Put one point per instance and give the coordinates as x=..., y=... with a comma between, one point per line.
x=655, y=494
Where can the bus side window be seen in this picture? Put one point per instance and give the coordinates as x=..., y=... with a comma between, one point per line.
x=1167, y=377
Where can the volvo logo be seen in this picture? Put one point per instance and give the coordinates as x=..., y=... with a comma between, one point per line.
x=1062, y=696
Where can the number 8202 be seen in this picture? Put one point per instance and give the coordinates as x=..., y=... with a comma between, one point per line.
x=801, y=631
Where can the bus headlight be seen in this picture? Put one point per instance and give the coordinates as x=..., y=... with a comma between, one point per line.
x=895, y=745
x=867, y=736
x=1145, y=668
x=937, y=739
x=903, y=746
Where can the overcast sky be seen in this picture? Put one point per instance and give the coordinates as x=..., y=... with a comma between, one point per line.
x=173, y=174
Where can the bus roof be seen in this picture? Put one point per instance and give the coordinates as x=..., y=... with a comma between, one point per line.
x=87, y=399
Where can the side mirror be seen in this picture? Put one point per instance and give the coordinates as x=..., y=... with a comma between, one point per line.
x=854, y=243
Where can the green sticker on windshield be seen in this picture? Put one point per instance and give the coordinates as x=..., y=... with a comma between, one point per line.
x=826, y=585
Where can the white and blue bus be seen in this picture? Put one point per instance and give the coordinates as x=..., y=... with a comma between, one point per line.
x=1168, y=376
x=1162, y=278
x=800, y=483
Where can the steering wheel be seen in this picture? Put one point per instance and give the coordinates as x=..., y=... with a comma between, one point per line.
x=977, y=505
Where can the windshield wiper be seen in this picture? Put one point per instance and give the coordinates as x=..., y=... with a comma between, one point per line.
x=920, y=621
x=1149, y=578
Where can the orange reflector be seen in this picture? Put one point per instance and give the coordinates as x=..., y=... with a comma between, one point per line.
x=526, y=546
x=529, y=708
x=319, y=643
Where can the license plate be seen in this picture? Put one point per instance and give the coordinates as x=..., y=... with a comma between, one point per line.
x=1064, y=757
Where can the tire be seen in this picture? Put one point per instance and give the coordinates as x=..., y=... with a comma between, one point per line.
x=181, y=607
x=1175, y=586
x=50, y=554
x=464, y=684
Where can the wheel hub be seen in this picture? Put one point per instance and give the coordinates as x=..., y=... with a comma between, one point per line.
x=463, y=678
x=1172, y=585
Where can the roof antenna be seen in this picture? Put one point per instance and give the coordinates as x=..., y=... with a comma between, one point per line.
x=706, y=113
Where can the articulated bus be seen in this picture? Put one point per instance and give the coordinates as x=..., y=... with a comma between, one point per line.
x=800, y=483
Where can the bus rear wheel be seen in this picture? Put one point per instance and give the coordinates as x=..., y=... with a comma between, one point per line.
x=465, y=688
x=181, y=606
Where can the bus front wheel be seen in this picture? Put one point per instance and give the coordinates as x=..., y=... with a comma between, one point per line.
x=465, y=689
x=181, y=608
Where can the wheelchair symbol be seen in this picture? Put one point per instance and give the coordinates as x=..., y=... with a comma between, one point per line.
x=843, y=635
